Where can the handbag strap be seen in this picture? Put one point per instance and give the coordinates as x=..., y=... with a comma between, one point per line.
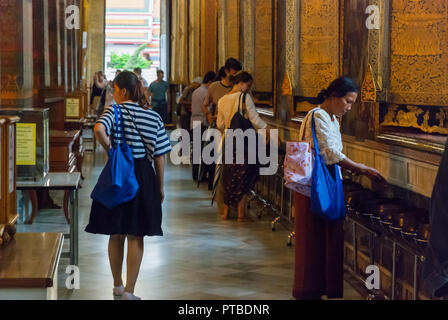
x=119, y=125
x=136, y=128
x=242, y=103
x=316, y=145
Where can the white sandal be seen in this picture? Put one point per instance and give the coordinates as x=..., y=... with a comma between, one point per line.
x=118, y=292
x=129, y=296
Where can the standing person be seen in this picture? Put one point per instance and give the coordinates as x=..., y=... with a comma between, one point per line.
x=319, y=244
x=97, y=97
x=221, y=74
x=158, y=91
x=435, y=270
x=216, y=91
x=138, y=72
x=185, y=103
x=238, y=179
x=219, y=89
x=145, y=133
x=197, y=101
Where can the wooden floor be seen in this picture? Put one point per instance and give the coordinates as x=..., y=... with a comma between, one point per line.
x=201, y=257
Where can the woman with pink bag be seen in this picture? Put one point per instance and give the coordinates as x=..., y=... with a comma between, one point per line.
x=319, y=243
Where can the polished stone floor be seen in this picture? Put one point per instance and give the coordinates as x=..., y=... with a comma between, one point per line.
x=201, y=257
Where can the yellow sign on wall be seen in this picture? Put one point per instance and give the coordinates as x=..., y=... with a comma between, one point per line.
x=26, y=144
x=72, y=108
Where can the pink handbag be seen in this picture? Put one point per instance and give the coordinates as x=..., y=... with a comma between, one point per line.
x=299, y=161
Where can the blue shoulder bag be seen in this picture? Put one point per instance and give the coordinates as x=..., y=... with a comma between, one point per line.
x=327, y=194
x=117, y=183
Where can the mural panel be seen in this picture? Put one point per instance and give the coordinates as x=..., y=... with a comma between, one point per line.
x=319, y=45
x=419, y=52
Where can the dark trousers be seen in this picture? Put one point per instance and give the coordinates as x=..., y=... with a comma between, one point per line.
x=161, y=108
x=207, y=170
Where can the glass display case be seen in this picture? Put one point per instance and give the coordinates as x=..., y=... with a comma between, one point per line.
x=32, y=144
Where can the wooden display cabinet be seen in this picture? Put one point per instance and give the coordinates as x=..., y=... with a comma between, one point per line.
x=2, y=200
x=8, y=213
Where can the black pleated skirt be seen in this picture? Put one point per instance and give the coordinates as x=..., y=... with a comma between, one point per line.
x=139, y=217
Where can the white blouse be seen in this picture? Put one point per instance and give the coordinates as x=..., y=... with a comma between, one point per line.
x=328, y=135
x=228, y=107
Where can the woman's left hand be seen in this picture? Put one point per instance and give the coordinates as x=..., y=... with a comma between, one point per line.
x=375, y=175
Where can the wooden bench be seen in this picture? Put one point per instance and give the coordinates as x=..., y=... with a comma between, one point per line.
x=29, y=267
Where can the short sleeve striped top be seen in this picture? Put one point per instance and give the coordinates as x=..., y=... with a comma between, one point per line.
x=149, y=124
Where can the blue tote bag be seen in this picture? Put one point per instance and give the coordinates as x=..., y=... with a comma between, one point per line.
x=117, y=183
x=327, y=194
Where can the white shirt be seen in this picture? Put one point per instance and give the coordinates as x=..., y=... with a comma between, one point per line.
x=328, y=134
x=228, y=107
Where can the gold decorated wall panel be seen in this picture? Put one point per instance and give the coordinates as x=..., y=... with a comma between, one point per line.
x=319, y=45
x=194, y=40
x=233, y=28
x=263, y=52
x=419, y=52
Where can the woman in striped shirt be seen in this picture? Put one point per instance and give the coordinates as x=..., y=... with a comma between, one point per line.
x=145, y=133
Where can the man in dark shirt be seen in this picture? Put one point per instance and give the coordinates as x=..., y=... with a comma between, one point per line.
x=159, y=93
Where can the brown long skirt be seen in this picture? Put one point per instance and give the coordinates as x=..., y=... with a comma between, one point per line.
x=319, y=254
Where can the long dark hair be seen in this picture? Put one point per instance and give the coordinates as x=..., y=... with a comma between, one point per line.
x=242, y=76
x=338, y=88
x=134, y=87
x=221, y=74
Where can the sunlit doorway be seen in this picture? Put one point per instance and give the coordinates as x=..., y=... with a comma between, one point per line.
x=132, y=37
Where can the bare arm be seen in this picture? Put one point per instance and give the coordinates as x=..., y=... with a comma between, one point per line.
x=362, y=169
x=159, y=163
x=102, y=137
x=211, y=118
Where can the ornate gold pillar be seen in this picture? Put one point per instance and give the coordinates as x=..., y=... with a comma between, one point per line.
x=222, y=34
x=247, y=25
x=194, y=46
x=208, y=38
x=233, y=28
x=179, y=36
x=292, y=45
x=95, y=14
